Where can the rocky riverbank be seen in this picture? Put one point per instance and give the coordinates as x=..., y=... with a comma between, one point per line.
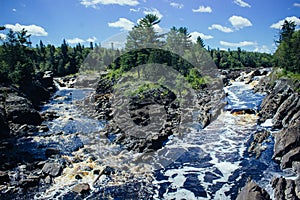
x=280, y=111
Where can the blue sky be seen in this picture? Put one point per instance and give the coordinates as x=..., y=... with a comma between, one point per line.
x=250, y=24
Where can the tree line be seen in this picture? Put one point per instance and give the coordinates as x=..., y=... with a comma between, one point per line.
x=20, y=61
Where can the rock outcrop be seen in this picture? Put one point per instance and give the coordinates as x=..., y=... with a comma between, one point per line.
x=252, y=191
x=282, y=106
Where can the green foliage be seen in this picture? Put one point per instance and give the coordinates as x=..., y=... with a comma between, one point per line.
x=287, y=54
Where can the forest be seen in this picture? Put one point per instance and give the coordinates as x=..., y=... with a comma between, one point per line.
x=20, y=61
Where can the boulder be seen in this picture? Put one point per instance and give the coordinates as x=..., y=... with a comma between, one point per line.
x=19, y=110
x=81, y=188
x=253, y=192
x=52, y=169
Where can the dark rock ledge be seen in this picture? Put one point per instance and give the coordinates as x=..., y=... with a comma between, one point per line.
x=282, y=106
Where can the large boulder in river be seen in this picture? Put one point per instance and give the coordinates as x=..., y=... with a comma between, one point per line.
x=19, y=110
x=253, y=192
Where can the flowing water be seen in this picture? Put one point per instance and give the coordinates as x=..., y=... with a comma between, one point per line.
x=211, y=163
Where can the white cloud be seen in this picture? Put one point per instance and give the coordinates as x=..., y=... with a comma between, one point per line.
x=75, y=41
x=134, y=10
x=2, y=36
x=14, y=10
x=242, y=3
x=153, y=11
x=195, y=34
x=203, y=9
x=220, y=28
x=176, y=5
x=239, y=44
x=279, y=24
x=239, y=22
x=123, y=23
x=92, y=39
x=33, y=30
x=95, y=3
x=296, y=4
x=262, y=49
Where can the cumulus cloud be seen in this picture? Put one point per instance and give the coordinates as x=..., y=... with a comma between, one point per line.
x=195, y=34
x=95, y=3
x=239, y=22
x=220, y=28
x=75, y=41
x=239, y=44
x=153, y=11
x=176, y=5
x=279, y=24
x=33, y=30
x=296, y=4
x=242, y=3
x=262, y=49
x=203, y=9
x=92, y=39
x=122, y=23
x=14, y=10
x=2, y=36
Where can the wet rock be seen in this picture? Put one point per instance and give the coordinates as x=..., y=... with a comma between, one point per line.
x=4, y=177
x=43, y=128
x=81, y=188
x=51, y=151
x=253, y=192
x=52, y=169
x=29, y=182
x=78, y=177
x=256, y=146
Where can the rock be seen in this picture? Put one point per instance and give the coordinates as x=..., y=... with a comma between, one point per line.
x=19, y=110
x=36, y=93
x=51, y=151
x=52, y=169
x=81, y=188
x=43, y=128
x=4, y=177
x=272, y=102
x=286, y=110
x=287, y=139
x=253, y=192
x=291, y=156
x=4, y=128
x=256, y=145
x=29, y=182
x=285, y=188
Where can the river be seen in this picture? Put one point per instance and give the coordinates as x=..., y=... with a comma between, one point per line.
x=212, y=163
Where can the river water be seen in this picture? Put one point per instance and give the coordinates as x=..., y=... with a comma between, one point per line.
x=211, y=163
